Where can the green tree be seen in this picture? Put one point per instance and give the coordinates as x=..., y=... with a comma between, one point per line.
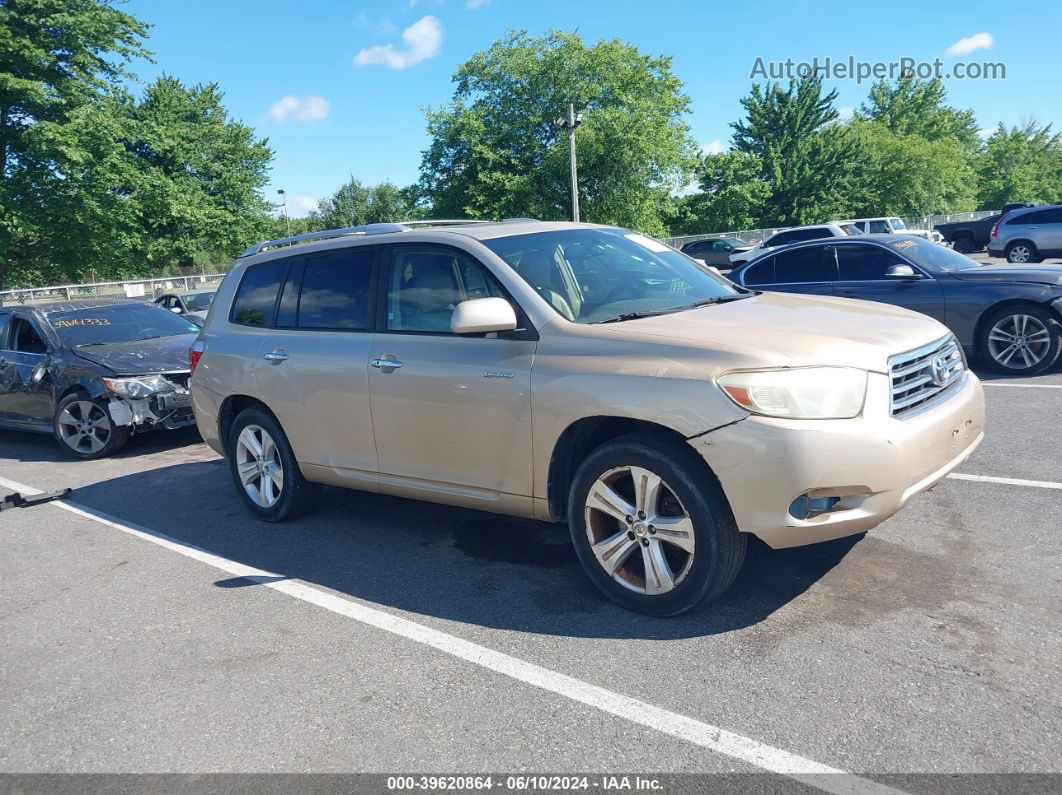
x=805, y=158
x=355, y=204
x=496, y=150
x=1020, y=163
x=198, y=176
x=898, y=174
x=732, y=195
x=918, y=107
x=58, y=59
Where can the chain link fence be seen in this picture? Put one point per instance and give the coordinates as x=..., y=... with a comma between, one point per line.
x=759, y=235
x=147, y=289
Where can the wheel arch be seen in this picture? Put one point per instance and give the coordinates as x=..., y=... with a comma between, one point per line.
x=231, y=407
x=584, y=436
x=987, y=314
x=1011, y=243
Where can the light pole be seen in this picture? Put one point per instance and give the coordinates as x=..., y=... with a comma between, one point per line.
x=572, y=121
x=287, y=220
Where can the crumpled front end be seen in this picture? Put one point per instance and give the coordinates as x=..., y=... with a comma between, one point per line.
x=167, y=407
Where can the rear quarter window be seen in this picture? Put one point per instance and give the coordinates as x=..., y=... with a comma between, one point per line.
x=256, y=296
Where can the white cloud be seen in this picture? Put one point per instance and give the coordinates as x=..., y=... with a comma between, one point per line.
x=291, y=108
x=713, y=148
x=978, y=41
x=986, y=132
x=476, y=3
x=382, y=27
x=845, y=113
x=301, y=206
x=421, y=41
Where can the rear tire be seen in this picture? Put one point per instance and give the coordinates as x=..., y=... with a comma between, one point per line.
x=1020, y=253
x=1021, y=340
x=84, y=429
x=964, y=245
x=652, y=527
x=264, y=469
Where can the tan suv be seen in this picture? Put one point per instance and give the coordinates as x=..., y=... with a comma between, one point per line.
x=579, y=373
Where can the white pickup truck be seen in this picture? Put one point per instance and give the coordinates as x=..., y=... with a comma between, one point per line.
x=892, y=225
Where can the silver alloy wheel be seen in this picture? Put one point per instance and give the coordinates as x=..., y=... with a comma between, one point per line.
x=1019, y=341
x=1019, y=253
x=84, y=427
x=631, y=508
x=259, y=466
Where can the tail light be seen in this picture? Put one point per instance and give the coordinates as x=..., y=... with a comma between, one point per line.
x=194, y=353
x=995, y=229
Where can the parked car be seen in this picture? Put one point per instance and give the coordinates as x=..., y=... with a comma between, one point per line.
x=891, y=225
x=191, y=304
x=967, y=237
x=465, y=365
x=1009, y=315
x=717, y=252
x=94, y=372
x=795, y=235
x=1028, y=235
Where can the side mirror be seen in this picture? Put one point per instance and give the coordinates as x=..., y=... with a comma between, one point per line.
x=901, y=272
x=175, y=309
x=480, y=315
x=38, y=373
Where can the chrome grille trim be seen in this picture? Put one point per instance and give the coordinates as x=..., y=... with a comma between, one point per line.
x=913, y=388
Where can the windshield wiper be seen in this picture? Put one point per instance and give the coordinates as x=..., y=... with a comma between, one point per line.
x=636, y=315
x=717, y=299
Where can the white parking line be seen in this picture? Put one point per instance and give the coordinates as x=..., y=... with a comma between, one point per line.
x=705, y=735
x=1039, y=484
x=1024, y=386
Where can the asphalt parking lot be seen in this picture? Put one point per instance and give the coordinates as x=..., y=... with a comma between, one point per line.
x=149, y=624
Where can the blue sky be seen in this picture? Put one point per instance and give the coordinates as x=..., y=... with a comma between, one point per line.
x=338, y=86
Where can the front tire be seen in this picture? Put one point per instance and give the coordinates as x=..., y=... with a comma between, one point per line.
x=1021, y=253
x=1021, y=340
x=84, y=429
x=264, y=469
x=652, y=527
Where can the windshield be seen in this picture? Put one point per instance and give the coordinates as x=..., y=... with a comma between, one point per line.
x=121, y=323
x=198, y=302
x=931, y=256
x=593, y=275
x=896, y=223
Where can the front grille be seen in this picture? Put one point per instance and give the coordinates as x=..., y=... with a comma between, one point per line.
x=922, y=378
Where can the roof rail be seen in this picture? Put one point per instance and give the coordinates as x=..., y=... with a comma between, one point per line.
x=442, y=222
x=328, y=234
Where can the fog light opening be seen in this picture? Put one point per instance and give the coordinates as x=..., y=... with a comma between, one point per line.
x=806, y=507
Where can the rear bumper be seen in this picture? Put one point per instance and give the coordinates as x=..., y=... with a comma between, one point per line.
x=872, y=464
x=995, y=252
x=206, y=406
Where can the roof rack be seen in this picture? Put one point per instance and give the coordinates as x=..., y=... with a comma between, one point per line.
x=328, y=234
x=367, y=229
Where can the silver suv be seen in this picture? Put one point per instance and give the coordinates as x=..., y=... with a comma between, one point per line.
x=1028, y=235
x=579, y=373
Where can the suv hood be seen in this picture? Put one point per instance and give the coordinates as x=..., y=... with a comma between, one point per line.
x=162, y=355
x=782, y=330
x=1050, y=274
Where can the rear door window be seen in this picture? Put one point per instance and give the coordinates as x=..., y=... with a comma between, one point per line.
x=256, y=297
x=336, y=289
x=800, y=265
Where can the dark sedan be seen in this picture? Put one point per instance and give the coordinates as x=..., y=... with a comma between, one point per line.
x=94, y=372
x=716, y=252
x=1010, y=315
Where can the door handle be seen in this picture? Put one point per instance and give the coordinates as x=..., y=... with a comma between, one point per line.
x=388, y=364
x=275, y=356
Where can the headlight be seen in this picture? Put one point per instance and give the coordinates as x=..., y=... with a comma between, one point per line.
x=137, y=388
x=806, y=393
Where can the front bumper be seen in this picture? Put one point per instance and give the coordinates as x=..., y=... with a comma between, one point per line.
x=873, y=463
